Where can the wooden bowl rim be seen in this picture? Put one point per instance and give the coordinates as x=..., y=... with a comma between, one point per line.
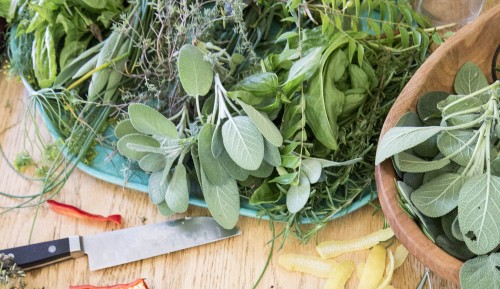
x=432, y=256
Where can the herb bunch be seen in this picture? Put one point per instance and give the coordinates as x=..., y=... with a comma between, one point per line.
x=447, y=155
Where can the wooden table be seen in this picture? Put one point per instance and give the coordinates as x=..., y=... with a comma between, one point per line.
x=231, y=263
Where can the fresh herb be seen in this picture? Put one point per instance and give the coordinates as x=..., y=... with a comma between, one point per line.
x=11, y=276
x=459, y=185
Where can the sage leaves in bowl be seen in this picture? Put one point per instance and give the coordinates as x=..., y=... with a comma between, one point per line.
x=447, y=156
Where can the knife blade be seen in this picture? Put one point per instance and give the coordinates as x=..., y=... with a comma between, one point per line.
x=123, y=246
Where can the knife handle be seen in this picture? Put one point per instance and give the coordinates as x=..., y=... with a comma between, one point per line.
x=40, y=254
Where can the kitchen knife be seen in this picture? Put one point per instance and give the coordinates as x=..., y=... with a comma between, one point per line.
x=123, y=246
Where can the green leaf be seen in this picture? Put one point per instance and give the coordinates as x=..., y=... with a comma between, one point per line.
x=150, y=121
x=177, y=195
x=137, y=139
x=272, y=154
x=297, y=196
x=361, y=54
x=312, y=169
x=264, y=170
x=223, y=201
x=351, y=49
x=399, y=139
x=439, y=196
x=263, y=124
x=232, y=168
x=157, y=187
x=217, y=145
x=305, y=67
x=405, y=37
x=411, y=119
x=414, y=180
x=359, y=79
x=290, y=161
x=449, y=142
x=427, y=107
x=478, y=211
x=327, y=163
x=481, y=272
x=456, y=249
x=265, y=194
x=196, y=74
x=339, y=62
x=214, y=171
x=164, y=209
x=285, y=179
x=412, y=164
x=260, y=85
x=152, y=162
x=389, y=33
x=124, y=127
x=243, y=142
x=469, y=79
x=455, y=230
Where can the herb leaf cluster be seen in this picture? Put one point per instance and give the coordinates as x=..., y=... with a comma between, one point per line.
x=454, y=192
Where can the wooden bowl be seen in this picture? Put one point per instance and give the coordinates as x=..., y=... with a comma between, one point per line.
x=475, y=42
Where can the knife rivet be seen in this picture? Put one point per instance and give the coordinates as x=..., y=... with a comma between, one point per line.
x=52, y=249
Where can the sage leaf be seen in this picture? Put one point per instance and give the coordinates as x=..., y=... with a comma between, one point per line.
x=164, y=209
x=152, y=162
x=439, y=196
x=469, y=79
x=217, y=145
x=265, y=194
x=457, y=249
x=399, y=139
x=223, y=201
x=412, y=164
x=263, y=124
x=150, y=121
x=212, y=167
x=428, y=148
x=327, y=163
x=243, y=142
x=414, y=180
x=449, y=142
x=427, y=107
x=124, y=127
x=137, y=139
x=272, y=154
x=478, y=211
x=410, y=118
x=297, y=196
x=264, y=170
x=177, y=194
x=196, y=74
x=196, y=162
x=232, y=168
x=312, y=169
x=449, y=106
x=157, y=187
x=481, y=272
x=455, y=230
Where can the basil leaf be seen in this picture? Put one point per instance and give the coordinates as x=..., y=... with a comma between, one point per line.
x=177, y=194
x=212, y=167
x=196, y=74
x=478, y=211
x=399, y=139
x=124, y=127
x=469, y=79
x=297, y=196
x=439, y=196
x=260, y=85
x=411, y=164
x=137, y=139
x=263, y=124
x=449, y=142
x=481, y=272
x=150, y=121
x=243, y=142
x=339, y=62
x=265, y=194
x=223, y=201
x=305, y=67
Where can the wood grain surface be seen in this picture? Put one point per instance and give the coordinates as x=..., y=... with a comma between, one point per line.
x=231, y=263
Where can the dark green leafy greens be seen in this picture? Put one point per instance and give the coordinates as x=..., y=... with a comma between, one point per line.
x=460, y=184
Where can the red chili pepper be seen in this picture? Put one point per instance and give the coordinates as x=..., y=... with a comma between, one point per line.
x=72, y=211
x=137, y=284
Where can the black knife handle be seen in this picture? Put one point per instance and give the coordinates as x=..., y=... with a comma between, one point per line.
x=40, y=254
